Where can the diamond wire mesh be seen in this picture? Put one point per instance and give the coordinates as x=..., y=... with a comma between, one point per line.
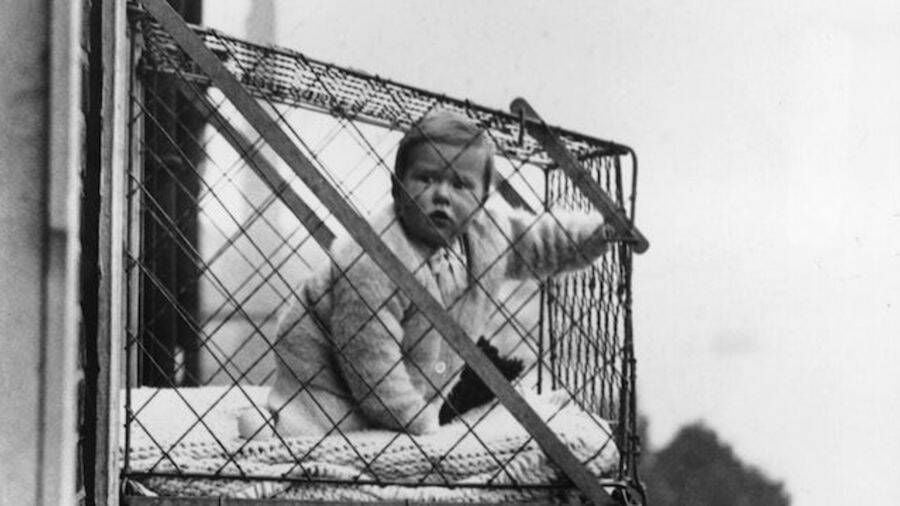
x=215, y=254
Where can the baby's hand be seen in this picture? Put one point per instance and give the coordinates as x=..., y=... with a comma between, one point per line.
x=606, y=231
x=425, y=422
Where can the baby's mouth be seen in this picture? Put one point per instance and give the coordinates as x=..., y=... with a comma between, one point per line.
x=440, y=218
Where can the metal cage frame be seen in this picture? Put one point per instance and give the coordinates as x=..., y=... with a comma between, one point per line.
x=580, y=172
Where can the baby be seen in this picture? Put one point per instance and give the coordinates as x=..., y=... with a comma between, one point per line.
x=354, y=351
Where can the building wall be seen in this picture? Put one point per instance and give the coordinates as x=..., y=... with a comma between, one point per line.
x=23, y=162
x=37, y=351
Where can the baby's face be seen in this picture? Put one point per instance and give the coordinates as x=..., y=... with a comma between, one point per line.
x=447, y=184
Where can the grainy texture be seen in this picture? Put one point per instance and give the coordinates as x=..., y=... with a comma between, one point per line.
x=461, y=456
x=23, y=227
x=360, y=321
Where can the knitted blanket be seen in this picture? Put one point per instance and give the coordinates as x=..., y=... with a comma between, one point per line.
x=453, y=464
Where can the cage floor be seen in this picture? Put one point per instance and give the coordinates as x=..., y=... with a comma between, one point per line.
x=174, y=454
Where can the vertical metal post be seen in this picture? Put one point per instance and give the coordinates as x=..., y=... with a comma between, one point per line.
x=133, y=224
x=550, y=295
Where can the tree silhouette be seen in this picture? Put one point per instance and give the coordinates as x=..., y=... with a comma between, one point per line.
x=699, y=470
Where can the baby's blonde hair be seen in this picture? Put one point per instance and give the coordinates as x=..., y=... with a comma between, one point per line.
x=444, y=127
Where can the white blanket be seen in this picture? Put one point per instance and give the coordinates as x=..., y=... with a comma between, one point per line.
x=166, y=438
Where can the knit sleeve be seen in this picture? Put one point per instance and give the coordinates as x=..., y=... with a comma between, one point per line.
x=366, y=331
x=551, y=243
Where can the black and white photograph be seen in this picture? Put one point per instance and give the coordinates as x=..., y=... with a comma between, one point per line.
x=273, y=252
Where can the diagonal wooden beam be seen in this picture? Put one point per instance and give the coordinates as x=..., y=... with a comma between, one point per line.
x=260, y=166
x=366, y=237
x=554, y=147
x=267, y=172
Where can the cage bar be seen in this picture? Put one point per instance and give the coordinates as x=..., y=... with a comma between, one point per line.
x=207, y=192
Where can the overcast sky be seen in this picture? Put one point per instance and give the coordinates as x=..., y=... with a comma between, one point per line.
x=769, y=303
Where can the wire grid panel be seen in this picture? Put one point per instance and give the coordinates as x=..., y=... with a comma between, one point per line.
x=216, y=255
x=585, y=311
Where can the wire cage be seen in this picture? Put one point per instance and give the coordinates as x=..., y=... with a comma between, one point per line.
x=222, y=235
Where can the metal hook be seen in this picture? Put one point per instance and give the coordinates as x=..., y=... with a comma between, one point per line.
x=521, y=127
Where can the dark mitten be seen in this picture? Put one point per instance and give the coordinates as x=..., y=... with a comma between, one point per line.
x=469, y=391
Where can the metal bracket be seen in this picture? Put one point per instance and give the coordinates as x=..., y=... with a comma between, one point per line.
x=553, y=145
